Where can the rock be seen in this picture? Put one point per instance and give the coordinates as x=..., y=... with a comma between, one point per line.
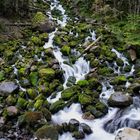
x=128, y=134
x=82, y=83
x=119, y=80
x=136, y=89
x=86, y=129
x=38, y=104
x=7, y=88
x=78, y=135
x=69, y=93
x=119, y=99
x=11, y=111
x=33, y=78
x=42, y=24
x=31, y=118
x=47, y=114
x=73, y=125
x=65, y=127
x=21, y=102
x=85, y=99
x=96, y=113
x=88, y=116
x=55, y=107
x=47, y=132
x=133, y=54
x=47, y=73
x=65, y=50
x=71, y=81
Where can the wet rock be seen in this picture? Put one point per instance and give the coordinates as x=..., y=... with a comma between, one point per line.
x=65, y=50
x=47, y=73
x=86, y=129
x=128, y=134
x=47, y=132
x=85, y=99
x=33, y=78
x=69, y=93
x=21, y=102
x=88, y=116
x=65, y=127
x=119, y=99
x=71, y=81
x=78, y=135
x=74, y=125
x=42, y=24
x=47, y=114
x=55, y=107
x=96, y=113
x=11, y=111
x=82, y=83
x=136, y=89
x=31, y=118
x=7, y=88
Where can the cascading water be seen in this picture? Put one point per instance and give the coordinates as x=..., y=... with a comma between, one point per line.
x=79, y=70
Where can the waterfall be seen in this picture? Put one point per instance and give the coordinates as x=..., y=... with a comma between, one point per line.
x=101, y=127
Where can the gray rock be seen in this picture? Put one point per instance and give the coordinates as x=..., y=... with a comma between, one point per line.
x=7, y=88
x=119, y=99
x=86, y=129
x=47, y=132
x=128, y=134
x=46, y=26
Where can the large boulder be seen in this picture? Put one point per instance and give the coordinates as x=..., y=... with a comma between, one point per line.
x=47, y=132
x=42, y=24
x=128, y=134
x=7, y=88
x=47, y=73
x=119, y=99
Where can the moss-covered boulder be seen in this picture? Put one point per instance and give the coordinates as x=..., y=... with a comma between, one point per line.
x=30, y=118
x=84, y=99
x=48, y=132
x=47, y=73
x=69, y=93
x=82, y=83
x=96, y=113
x=32, y=93
x=65, y=50
x=21, y=102
x=55, y=107
x=33, y=78
x=41, y=23
x=119, y=80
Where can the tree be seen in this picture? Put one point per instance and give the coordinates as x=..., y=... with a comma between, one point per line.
x=14, y=8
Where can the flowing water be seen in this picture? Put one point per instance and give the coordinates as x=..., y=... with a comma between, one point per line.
x=127, y=117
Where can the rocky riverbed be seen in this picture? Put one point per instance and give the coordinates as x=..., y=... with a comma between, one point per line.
x=51, y=88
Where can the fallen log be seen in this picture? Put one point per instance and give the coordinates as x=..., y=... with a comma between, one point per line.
x=18, y=24
x=90, y=46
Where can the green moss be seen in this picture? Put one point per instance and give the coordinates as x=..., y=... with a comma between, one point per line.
x=38, y=18
x=47, y=73
x=58, y=105
x=85, y=99
x=65, y=50
x=33, y=78
x=31, y=93
x=21, y=102
x=82, y=83
x=2, y=75
x=36, y=40
x=119, y=80
x=38, y=104
x=69, y=93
